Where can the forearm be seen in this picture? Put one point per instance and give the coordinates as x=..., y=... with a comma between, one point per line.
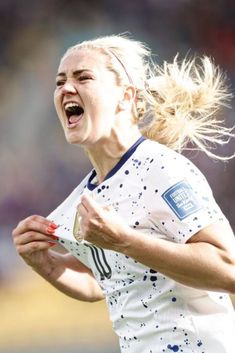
x=71, y=278
x=33, y=238
x=206, y=261
x=199, y=265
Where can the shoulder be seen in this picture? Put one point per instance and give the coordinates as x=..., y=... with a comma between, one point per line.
x=162, y=154
x=162, y=164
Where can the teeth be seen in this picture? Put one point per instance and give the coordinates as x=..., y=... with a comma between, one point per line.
x=70, y=105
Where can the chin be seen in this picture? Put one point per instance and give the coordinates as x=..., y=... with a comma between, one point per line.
x=73, y=139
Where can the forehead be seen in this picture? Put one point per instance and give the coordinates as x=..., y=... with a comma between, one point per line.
x=80, y=59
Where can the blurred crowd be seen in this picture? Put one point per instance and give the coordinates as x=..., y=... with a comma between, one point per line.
x=37, y=167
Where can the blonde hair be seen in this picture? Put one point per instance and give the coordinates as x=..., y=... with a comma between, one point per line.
x=176, y=104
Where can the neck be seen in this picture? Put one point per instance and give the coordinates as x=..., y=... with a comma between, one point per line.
x=106, y=153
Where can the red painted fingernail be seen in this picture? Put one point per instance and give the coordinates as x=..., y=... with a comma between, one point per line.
x=53, y=225
x=51, y=244
x=50, y=230
x=54, y=237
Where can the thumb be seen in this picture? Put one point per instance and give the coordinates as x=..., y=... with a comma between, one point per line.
x=90, y=204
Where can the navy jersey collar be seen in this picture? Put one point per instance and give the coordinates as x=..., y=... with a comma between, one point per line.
x=114, y=170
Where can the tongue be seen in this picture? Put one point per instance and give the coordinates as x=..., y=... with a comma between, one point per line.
x=74, y=119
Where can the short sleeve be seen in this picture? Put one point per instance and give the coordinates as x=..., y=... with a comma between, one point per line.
x=179, y=199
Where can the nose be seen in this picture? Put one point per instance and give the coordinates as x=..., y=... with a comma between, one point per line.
x=69, y=88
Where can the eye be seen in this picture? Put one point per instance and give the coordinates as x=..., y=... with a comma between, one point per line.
x=59, y=83
x=85, y=78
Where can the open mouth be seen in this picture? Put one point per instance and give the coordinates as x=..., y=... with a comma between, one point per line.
x=74, y=112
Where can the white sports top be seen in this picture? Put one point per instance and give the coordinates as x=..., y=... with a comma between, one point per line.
x=160, y=193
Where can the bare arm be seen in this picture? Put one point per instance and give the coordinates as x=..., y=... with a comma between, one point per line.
x=206, y=261
x=72, y=277
x=33, y=238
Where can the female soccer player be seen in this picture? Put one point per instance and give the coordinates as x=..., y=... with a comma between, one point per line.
x=142, y=229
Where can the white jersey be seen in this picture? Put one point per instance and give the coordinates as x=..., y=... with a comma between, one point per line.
x=160, y=193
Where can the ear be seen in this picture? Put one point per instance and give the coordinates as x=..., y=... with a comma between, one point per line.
x=128, y=98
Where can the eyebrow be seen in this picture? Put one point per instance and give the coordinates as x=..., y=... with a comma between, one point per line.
x=75, y=73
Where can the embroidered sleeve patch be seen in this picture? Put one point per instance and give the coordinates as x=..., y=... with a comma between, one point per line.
x=181, y=199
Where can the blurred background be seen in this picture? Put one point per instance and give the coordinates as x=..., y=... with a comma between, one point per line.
x=38, y=169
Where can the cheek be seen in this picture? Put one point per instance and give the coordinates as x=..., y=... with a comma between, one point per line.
x=104, y=104
x=57, y=103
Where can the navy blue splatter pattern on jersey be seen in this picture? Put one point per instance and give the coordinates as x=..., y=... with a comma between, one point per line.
x=162, y=194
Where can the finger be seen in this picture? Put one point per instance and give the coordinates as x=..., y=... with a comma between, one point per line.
x=30, y=237
x=108, y=208
x=38, y=218
x=82, y=211
x=30, y=248
x=35, y=223
x=90, y=204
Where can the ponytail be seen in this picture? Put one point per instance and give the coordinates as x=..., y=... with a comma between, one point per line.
x=177, y=104
x=182, y=102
